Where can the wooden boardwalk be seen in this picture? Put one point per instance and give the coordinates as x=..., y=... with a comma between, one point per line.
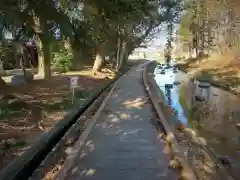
x=123, y=143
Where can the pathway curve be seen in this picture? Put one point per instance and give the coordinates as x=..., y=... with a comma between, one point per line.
x=123, y=143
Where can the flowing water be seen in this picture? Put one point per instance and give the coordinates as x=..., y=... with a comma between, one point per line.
x=214, y=119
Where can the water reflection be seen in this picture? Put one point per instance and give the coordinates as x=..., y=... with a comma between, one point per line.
x=168, y=94
x=171, y=95
x=214, y=120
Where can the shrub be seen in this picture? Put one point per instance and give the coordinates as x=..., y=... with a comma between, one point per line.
x=62, y=61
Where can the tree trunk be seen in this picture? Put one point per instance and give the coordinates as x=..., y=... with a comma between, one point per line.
x=122, y=54
x=99, y=60
x=67, y=45
x=22, y=65
x=3, y=86
x=44, y=58
x=76, y=60
x=119, y=48
x=80, y=59
x=98, y=63
x=190, y=49
x=2, y=72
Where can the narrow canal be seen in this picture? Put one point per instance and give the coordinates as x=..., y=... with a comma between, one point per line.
x=215, y=119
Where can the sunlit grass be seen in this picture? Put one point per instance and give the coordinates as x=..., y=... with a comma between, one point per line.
x=219, y=70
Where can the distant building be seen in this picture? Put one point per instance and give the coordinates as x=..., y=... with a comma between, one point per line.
x=143, y=53
x=138, y=53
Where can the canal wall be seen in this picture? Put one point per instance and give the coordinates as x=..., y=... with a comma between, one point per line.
x=195, y=145
x=216, y=121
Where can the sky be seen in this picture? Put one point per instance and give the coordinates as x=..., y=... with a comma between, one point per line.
x=161, y=38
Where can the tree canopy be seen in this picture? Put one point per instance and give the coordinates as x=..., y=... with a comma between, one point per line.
x=211, y=26
x=89, y=29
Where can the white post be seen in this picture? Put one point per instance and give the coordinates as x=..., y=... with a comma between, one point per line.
x=73, y=85
x=73, y=95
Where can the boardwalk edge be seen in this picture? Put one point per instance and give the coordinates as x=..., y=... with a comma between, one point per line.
x=81, y=141
x=178, y=152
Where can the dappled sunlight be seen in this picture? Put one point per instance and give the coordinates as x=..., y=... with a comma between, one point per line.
x=56, y=116
x=88, y=172
x=139, y=69
x=124, y=116
x=114, y=118
x=80, y=73
x=85, y=172
x=124, y=138
x=34, y=109
x=74, y=170
x=21, y=151
x=82, y=155
x=137, y=103
x=167, y=150
x=132, y=132
x=221, y=70
x=88, y=73
x=89, y=144
x=114, y=125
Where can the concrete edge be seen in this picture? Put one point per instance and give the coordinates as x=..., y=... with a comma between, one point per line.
x=188, y=172
x=204, y=147
x=24, y=165
x=81, y=141
x=58, y=148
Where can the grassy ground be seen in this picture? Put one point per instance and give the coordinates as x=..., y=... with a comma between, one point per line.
x=221, y=71
x=32, y=110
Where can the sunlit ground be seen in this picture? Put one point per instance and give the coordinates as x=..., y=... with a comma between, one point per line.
x=124, y=141
x=31, y=110
x=125, y=127
x=223, y=70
